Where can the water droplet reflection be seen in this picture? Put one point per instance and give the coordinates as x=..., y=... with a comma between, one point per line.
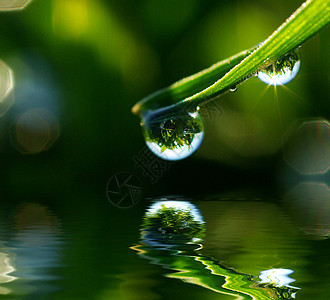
x=166, y=241
x=6, y=270
x=173, y=220
x=173, y=137
x=277, y=277
x=281, y=71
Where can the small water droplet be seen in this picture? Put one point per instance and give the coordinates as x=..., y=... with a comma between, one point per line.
x=281, y=71
x=233, y=88
x=173, y=136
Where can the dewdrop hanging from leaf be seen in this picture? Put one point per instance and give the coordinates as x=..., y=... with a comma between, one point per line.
x=173, y=136
x=281, y=71
x=163, y=120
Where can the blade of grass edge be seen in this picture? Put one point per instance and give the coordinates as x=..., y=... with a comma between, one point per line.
x=305, y=22
x=189, y=85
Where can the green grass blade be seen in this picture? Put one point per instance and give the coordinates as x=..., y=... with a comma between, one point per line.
x=304, y=23
x=189, y=85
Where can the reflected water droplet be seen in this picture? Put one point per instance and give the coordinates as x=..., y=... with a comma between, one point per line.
x=233, y=88
x=281, y=71
x=172, y=234
x=178, y=221
x=176, y=205
x=173, y=136
x=277, y=277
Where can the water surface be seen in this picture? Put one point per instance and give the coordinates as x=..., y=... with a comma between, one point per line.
x=252, y=248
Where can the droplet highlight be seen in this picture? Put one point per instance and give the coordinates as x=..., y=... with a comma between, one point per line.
x=173, y=136
x=281, y=71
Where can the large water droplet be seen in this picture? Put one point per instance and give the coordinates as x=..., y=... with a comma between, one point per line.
x=281, y=71
x=173, y=136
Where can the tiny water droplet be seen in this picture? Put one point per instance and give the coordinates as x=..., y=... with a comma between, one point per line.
x=281, y=71
x=233, y=88
x=173, y=136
